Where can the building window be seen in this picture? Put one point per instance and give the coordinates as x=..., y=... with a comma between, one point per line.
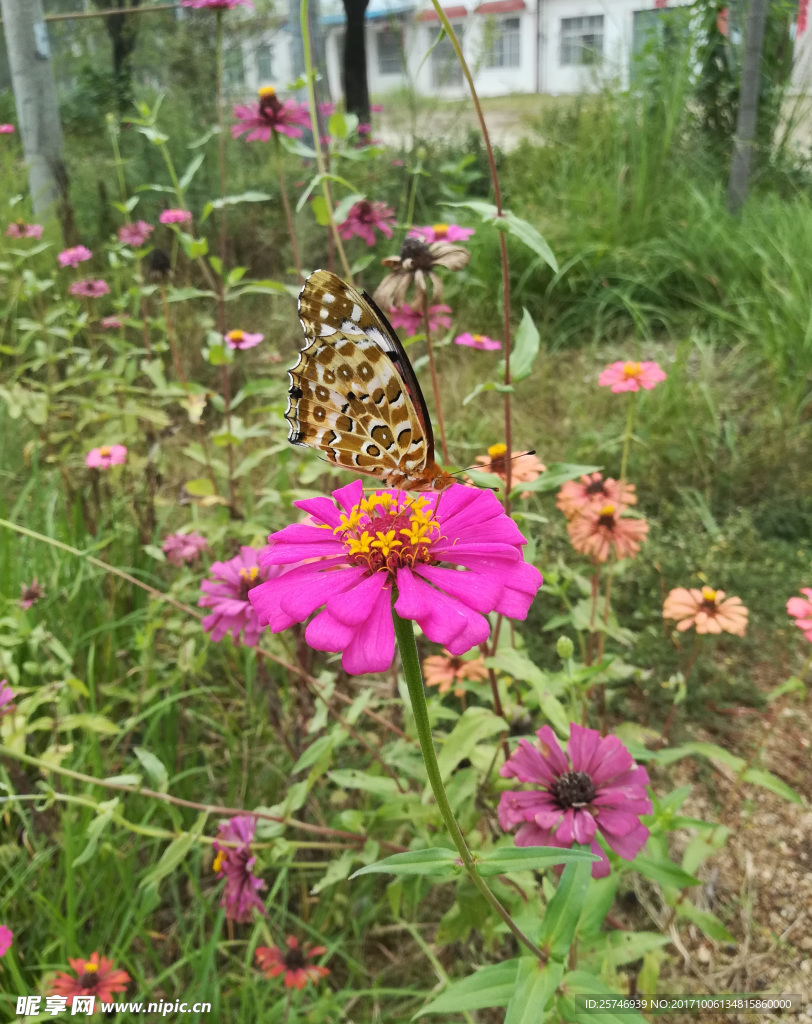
x=445, y=68
x=582, y=40
x=233, y=72
x=503, y=42
x=264, y=63
x=390, y=52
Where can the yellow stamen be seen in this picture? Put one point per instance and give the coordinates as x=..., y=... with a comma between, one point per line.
x=631, y=369
x=440, y=229
x=104, y=451
x=360, y=545
x=709, y=595
x=608, y=510
x=235, y=335
x=250, y=574
x=89, y=967
x=386, y=541
x=349, y=523
x=265, y=91
x=495, y=449
x=219, y=860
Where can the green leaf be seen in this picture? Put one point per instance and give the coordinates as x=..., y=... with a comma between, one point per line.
x=556, y=474
x=532, y=238
x=200, y=488
x=599, y=900
x=582, y=983
x=535, y=984
x=704, y=919
x=154, y=767
x=95, y=830
x=193, y=247
x=492, y=985
x=475, y=725
x=663, y=871
x=252, y=196
x=716, y=754
x=771, y=782
x=191, y=171
x=487, y=385
x=337, y=870
x=174, y=854
x=319, y=207
x=88, y=723
x=351, y=779
x=528, y=858
x=342, y=211
x=435, y=861
x=564, y=910
x=525, y=349
x=337, y=125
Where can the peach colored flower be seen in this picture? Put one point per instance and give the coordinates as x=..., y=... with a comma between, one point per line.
x=707, y=609
x=801, y=611
x=524, y=466
x=592, y=491
x=622, y=376
x=444, y=670
x=595, y=531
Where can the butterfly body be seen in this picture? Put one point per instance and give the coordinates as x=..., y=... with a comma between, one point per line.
x=353, y=393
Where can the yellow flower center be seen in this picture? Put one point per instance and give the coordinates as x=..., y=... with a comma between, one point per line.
x=440, y=231
x=608, y=510
x=104, y=451
x=219, y=860
x=235, y=336
x=631, y=369
x=249, y=575
x=389, y=530
x=266, y=91
x=89, y=967
x=709, y=595
x=495, y=449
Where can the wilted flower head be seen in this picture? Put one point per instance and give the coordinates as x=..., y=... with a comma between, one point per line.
x=442, y=233
x=597, y=531
x=410, y=318
x=6, y=938
x=235, y=864
x=707, y=609
x=30, y=593
x=111, y=322
x=524, y=466
x=175, y=216
x=159, y=265
x=19, y=229
x=622, y=376
x=292, y=962
x=90, y=288
x=181, y=548
x=416, y=265
x=217, y=5
x=363, y=547
x=6, y=697
x=94, y=977
x=227, y=596
x=7, y=129
x=480, y=341
x=801, y=610
x=446, y=670
x=242, y=339
x=135, y=234
x=593, y=492
x=363, y=217
x=74, y=256
x=597, y=787
x=106, y=456
x=260, y=120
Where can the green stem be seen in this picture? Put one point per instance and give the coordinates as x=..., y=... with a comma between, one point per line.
x=404, y=633
x=627, y=437
x=286, y=205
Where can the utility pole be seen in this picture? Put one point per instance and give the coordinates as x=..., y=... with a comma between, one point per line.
x=32, y=80
x=748, y=106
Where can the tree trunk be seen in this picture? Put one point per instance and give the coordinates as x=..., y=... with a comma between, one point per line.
x=32, y=80
x=748, y=106
x=123, y=32
x=356, y=88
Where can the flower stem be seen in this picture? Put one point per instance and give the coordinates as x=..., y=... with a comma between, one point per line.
x=404, y=633
x=286, y=204
x=627, y=437
x=221, y=140
x=435, y=384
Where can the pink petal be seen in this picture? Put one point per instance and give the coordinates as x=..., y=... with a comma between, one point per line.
x=583, y=744
x=528, y=764
x=627, y=846
x=443, y=619
x=477, y=590
x=373, y=645
x=585, y=827
x=550, y=747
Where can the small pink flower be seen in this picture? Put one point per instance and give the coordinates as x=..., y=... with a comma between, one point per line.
x=327, y=109
x=441, y=233
x=19, y=229
x=410, y=318
x=6, y=938
x=181, y=548
x=398, y=162
x=364, y=128
x=592, y=491
x=111, y=323
x=376, y=108
x=175, y=216
x=228, y=596
x=73, y=257
x=6, y=697
x=622, y=376
x=217, y=5
x=7, y=129
x=363, y=217
x=480, y=341
x=260, y=120
x=106, y=456
x=90, y=288
x=135, y=234
x=235, y=863
x=801, y=610
x=30, y=593
x=242, y=339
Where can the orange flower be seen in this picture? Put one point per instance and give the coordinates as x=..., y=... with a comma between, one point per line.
x=444, y=670
x=707, y=609
x=595, y=531
x=96, y=976
x=592, y=491
x=524, y=466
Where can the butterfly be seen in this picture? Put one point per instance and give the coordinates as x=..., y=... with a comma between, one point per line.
x=353, y=393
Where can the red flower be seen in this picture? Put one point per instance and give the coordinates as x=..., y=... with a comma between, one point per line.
x=292, y=962
x=94, y=977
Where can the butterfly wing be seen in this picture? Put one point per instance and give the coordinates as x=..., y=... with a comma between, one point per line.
x=353, y=392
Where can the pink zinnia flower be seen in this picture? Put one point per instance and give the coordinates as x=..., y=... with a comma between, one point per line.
x=106, y=456
x=217, y=5
x=622, y=376
x=707, y=610
x=292, y=962
x=327, y=109
x=94, y=977
x=364, y=128
x=597, y=787
x=175, y=216
x=90, y=288
x=593, y=492
x=111, y=323
x=135, y=234
x=364, y=217
x=480, y=341
x=270, y=115
x=181, y=548
x=376, y=108
x=19, y=229
x=7, y=129
x=74, y=256
x=801, y=611
x=595, y=531
x=242, y=339
x=30, y=593
x=441, y=233
x=235, y=863
x=228, y=596
x=6, y=938
x=363, y=547
x=6, y=697
x=410, y=318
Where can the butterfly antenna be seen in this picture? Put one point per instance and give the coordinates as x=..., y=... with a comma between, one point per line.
x=484, y=469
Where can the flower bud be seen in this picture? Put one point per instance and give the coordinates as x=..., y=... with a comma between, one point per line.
x=564, y=648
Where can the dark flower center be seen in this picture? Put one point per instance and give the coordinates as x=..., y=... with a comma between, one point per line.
x=89, y=979
x=294, y=959
x=455, y=664
x=418, y=252
x=364, y=211
x=575, y=789
x=596, y=487
x=607, y=520
x=249, y=578
x=269, y=107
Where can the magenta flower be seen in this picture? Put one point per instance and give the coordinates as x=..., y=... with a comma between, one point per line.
x=410, y=318
x=376, y=108
x=801, y=610
x=234, y=863
x=441, y=233
x=364, y=217
x=242, y=339
x=480, y=341
x=597, y=787
x=228, y=596
x=7, y=129
x=73, y=257
x=6, y=938
x=19, y=229
x=6, y=697
x=270, y=115
x=110, y=323
x=327, y=109
x=181, y=548
x=359, y=549
x=135, y=234
x=622, y=376
x=106, y=456
x=217, y=5
x=90, y=288
x=30, y=593
x=175, y=216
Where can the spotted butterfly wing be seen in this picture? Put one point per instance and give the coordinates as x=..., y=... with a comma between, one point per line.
x=354, y=394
